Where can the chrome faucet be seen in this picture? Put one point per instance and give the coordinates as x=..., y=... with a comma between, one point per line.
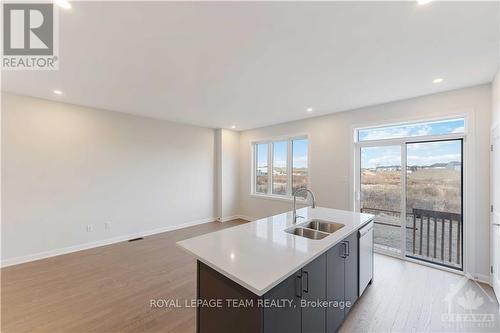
x=295, y=193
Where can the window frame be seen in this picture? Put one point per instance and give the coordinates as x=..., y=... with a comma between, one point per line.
x=410, y=123
x=289, y=167
x=468, y=167
x=357, y=145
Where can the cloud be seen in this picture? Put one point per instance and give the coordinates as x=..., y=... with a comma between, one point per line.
x=424, y=130
x=429, y=160
x=300, y=161
x=385, y=160
x=395, y=132
x=279, y=163
x=460, y=129
x=386, y=134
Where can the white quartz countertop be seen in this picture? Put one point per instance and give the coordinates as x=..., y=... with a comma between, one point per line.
x=259, y=255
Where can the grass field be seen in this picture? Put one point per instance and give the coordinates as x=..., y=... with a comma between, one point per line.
x=436, y=189
x=432, y=189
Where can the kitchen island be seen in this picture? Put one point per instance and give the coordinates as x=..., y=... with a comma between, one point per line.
x=272, y=275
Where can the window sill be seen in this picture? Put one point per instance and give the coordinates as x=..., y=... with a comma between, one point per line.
x=282, y=198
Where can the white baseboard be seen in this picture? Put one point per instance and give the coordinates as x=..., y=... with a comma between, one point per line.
x=228, y=218
x=247, y=218
x=108, y=241
x=479, y=277
x=236, y=217
x=496, y=286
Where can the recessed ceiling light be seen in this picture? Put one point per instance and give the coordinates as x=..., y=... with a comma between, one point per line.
x=309, y=110
x=57, y=92
x=63, y=4
x=438, y=80
x=423, y=2
x=233, y=126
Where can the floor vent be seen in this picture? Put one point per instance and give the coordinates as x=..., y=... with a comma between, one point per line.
x=135, y=239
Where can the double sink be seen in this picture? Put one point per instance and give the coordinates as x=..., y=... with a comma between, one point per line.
x=315, y=229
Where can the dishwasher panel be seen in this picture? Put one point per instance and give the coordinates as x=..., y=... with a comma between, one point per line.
x=365, y=256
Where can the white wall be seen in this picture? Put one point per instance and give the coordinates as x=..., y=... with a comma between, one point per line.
x=230, y=147
x=331, y=160
x=495, y=110
x=227, y=152
x=495, y=185
x=65, y=166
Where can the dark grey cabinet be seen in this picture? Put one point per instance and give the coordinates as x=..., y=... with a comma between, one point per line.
x=335, y=277
x=351, y=271
x=285, y=319
x=341, y=280
x=314, y=290
x=308, y=284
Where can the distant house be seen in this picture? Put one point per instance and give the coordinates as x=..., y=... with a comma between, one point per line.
x=388, y=168
x=261, y=173
x=454, y=165
x=436, y=166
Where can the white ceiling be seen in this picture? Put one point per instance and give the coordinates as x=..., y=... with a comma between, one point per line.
x=256, y=64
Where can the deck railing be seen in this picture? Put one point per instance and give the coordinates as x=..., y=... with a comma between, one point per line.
x=438, y=226
x=433, y=236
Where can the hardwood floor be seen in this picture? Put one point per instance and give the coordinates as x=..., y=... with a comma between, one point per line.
x=408, y=297
x=108, y=289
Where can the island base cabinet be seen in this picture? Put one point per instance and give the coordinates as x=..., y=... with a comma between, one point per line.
x=293, y=306
x=306, y=285
x=314, y=291
x=284, y=319
x=351, y=271
x=282, y=309
x=215, y=287
x=341, y=281
x=335, y=277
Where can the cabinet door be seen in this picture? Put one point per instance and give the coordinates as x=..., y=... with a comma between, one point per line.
x=286, y=319
x=314, y=289
x=351, y=271
x=335, y=286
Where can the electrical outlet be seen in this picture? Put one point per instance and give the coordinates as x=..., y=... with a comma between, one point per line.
x=107, y=226
x=90, y=227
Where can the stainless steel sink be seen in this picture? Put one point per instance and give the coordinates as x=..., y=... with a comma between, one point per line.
x=315, y=229
x=324, y=226
x=308, y=233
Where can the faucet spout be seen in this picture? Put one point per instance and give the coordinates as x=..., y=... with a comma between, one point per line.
x=297, y=192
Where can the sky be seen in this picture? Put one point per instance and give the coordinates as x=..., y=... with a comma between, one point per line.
x=426, y=153
x=299, y=153
x=299, y=148
x=417, y=153
x=419, y=129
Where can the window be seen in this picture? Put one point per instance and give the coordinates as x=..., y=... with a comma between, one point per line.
x=280, y=167
x=299, y=165
x=261, y=175
x=441, y=127
x=280, y=172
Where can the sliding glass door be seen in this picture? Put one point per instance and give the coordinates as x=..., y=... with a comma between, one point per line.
x=434, y=201
x=414, y=187
x=380, y=180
